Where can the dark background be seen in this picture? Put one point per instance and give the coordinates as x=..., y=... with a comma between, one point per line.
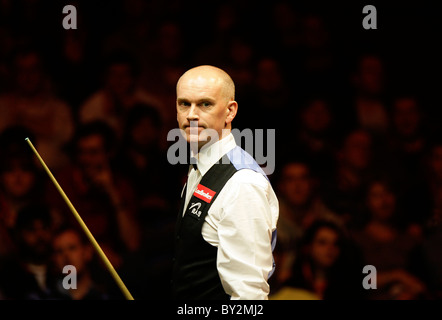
x=177, y=35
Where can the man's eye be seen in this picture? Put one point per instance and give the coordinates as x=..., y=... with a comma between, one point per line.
x=184, y=104
x=206, y=104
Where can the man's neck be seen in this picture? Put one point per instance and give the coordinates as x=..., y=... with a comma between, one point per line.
x=205, y=145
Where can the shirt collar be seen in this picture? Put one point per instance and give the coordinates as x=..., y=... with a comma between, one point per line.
x=209, y=155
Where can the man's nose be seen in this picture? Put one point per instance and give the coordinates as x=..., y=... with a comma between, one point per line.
x=193, y=113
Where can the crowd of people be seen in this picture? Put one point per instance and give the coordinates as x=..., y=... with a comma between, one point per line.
x=358, y=151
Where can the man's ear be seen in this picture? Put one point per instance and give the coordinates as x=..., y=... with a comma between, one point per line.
x=232, y=107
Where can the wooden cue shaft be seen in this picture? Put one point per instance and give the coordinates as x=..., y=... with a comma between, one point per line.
x=97, y=247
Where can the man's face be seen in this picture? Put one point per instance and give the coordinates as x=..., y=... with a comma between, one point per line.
x=436, y=162
x=35, y=240
x=201, y=99
x=357, y=150
x=17, y=180
x=144, y=134
x=325, y=248
x=69, y=250
x=371, y=75
x=119, y=79
x=406, y=116
x=91, y=153
x=296, y=184
x=28, y=74
x=316, y=117
x=381, y=201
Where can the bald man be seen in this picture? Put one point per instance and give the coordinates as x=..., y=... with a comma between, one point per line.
x=226, y=227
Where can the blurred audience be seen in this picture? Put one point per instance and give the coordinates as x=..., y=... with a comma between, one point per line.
x=139, y=152
x=386, y=244
x=26, y=273
x=76, y=57
x=300, y=206
x=134, y=33
x=71, y=248
x=328, y=266
x=407, y=147
x=316, y=134
x=166, y=57
x=368, y=105
x=429, y=265
x=98, y=102
x=103, y=196
x=317, y=56
x=33, y=104
x=271, y=96
x=343, y=189
x=19, y=181
x=120, y=91
x=407, y=140
x=434, y=178
x=142, y=159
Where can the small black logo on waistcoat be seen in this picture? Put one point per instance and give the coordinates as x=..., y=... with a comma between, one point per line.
x=194, y=209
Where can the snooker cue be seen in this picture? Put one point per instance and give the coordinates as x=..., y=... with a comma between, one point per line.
x=97, y=247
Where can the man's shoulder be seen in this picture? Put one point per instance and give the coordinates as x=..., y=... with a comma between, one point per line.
x=249, y=176
x=241, y=159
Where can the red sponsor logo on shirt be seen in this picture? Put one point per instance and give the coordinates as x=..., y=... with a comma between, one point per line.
x=204, y=193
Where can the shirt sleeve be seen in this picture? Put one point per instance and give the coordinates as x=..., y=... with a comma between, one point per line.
x=245, y=229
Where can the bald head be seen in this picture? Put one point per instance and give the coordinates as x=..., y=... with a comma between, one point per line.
x=213, y=75
x=205, y=99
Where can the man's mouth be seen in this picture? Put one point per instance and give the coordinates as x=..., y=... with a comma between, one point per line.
x=194, y=127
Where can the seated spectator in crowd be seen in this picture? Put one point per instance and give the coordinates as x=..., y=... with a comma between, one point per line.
x=429, y=263
x=317, y=55
x=316, y=134
x=407, y=148
x=119, y=93
x=33, y=105
x=26, y=275
x=433, y=175
x=327, y=266
x=101, y=195
x=135, y=32
x=239, y=65
x=7, y=43
x=18, y=187
x=407, y=139
x=20, y=182
x=72, y=248
x=385, y=243
x=271, y=96
x=163, y=66
x=343, y=190
x=143, y=161
x=226, y=23
x=408, y=124
x=368, y=105
x=300, y=205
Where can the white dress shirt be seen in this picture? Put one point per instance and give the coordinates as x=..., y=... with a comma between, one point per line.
x=240, y=223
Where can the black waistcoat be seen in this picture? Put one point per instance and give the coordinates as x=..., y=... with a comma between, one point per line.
x=195, y=274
